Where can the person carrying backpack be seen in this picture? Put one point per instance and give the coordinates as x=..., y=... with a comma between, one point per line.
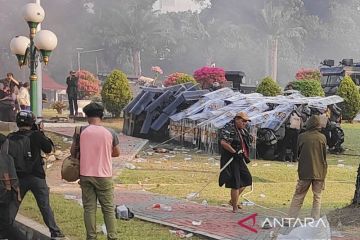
x=25, y=147
x=9, y=189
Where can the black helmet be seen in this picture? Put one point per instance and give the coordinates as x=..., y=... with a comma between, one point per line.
x=25, y=119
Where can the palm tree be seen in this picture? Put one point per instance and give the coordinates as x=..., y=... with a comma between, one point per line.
x=281, y=20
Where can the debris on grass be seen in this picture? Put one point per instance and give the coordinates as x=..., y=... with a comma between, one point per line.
x=130, y=166
x=69, y=197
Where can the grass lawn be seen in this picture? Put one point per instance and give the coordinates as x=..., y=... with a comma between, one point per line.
x=274, y=182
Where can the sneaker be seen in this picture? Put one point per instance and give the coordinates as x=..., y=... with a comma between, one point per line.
x=58, y=236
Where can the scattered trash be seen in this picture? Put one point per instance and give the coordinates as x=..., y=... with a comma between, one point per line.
x=123, y=212
x=254, y=165
x=341, y=165
x=130, y=166
x=69, y=197
x=162, y=207
x=320, y=231
x=337, y=234
x=196, y=223
x=180, y=233
x=247, y=203
x=262, y=195
x=187, y=159
x=204, y=203
x=140, y=160
x=192, y=196
x=160, y=150
x=103, y=229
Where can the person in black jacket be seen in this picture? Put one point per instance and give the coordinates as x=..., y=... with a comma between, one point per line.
x=72, y=92
x=31, y=174
x=235, y=143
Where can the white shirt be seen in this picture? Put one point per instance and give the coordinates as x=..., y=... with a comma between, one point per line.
x=23, y=97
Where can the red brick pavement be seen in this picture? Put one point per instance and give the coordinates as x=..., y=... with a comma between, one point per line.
x=216, y=222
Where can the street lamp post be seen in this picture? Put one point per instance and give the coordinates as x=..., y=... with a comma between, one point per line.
x=38, y=45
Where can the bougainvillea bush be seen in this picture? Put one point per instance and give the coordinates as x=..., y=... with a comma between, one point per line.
x=88, y=85
x=206, y=76
x=178, y=78
x=308, y=74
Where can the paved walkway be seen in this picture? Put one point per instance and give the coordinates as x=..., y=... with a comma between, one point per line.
x=215, y=222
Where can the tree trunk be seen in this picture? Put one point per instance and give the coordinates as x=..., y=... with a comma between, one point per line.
x=356, y=199
x=136, y=55
x=274, y=58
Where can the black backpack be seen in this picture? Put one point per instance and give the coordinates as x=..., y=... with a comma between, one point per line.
x=9, y=182
x=20, y=150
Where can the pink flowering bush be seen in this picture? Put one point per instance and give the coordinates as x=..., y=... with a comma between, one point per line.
x=206, y=76
x=308, y=74
x=178, y=78
x=88, y=85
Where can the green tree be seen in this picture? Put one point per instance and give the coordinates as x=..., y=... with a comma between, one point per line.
x=349, y=92
x=116, y=92
x=268, y=87
x=309, y=88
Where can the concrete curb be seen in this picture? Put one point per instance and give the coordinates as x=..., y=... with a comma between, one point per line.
x=25, y=228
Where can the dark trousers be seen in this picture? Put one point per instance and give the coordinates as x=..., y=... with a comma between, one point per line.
x=290, y=141
x=40, y=190
x=73, y=106
x=8, y=209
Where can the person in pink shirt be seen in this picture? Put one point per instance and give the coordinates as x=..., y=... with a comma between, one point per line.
x=97, y=147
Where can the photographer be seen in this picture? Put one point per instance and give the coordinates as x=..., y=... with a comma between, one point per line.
x=72, y=92
x=25, y=147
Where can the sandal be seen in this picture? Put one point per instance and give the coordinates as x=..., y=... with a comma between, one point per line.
x=238, y=206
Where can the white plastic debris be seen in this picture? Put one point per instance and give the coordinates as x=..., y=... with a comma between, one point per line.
x=262, y=195
x=188, y=159
x=341, y=165
x=49, y=165
x=247, y=203
x=319, y=229
x=103, y=229
x=192, y=196
x=196, y=223
x=267, y=164
x=69, y=197
x=130, y=166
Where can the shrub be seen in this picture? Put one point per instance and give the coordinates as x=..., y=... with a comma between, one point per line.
x=116, y=92
x=349, y=92
x=88, y=85
x=59, y=106
x=206, y=76
x=178, y=78
x=308, y=74
x=268, y=87
x=309, y=88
